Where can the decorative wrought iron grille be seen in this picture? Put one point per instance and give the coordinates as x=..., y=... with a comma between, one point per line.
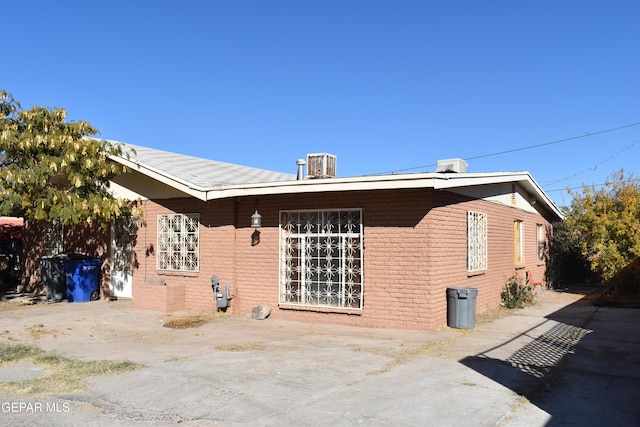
x=178, y=242
x=321, y=258
x=476, y=241
x=540, y=241
x=54, y=238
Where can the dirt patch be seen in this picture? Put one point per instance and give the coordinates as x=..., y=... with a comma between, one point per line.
x=36, y=331
x=492, y=314
x=62, y=374
x=192, y=321
x=16, y=301
x=431, y=349
x=241, y=347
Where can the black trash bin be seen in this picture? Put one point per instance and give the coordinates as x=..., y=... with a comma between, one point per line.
x=461, y=307
x=82, y=279
x=53, y=277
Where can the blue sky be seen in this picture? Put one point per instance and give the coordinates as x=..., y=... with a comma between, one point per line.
x=384, y=85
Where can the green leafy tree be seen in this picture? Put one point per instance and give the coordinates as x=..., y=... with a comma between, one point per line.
x=51, y=169
x=604, y=224
x=568, y=263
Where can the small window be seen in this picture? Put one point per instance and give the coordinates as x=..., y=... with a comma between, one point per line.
x=321, y=258
x=178, y=242
x=517, y=242
x=476, y=241
x=54, y=238
x=540, y=241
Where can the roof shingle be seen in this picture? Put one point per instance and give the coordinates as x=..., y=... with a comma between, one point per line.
x=201, y=172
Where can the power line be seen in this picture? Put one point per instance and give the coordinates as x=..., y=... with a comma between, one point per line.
x=594, y=167
x=529, y=147
x=555, y=142
x=594, y=185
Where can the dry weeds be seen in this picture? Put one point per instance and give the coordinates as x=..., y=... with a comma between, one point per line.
x=241, y=347
x=62, y=374
x=192, y=321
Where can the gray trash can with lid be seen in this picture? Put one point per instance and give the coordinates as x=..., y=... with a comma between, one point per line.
x=461, y=307
x=55, y=283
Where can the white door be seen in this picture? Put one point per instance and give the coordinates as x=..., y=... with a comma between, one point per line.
x=123, y=233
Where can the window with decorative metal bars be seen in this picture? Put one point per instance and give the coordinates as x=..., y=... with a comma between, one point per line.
x=476, y=241
x=540, y=241
x=54, y=238
x=321, y=258
x=178, y=242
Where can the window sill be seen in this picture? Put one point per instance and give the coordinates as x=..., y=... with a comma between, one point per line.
x=178, y=273
x=476, y=273
x=332, y=310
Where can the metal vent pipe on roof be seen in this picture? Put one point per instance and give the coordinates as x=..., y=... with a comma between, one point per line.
x=300, y=163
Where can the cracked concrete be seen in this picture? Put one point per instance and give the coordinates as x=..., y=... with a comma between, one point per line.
x=563, y=361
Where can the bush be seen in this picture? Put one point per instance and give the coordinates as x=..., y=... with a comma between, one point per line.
x=627, y=281
x=516, y=293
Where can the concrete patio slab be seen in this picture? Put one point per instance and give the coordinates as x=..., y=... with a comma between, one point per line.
x=563, y=361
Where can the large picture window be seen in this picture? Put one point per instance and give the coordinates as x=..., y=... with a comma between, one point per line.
x=178, y=242
x=476, y=241
x=321, y=258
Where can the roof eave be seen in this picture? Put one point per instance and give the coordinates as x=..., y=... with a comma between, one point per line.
x=438, y=181
x=523, y=178
x=164, y=178
x=320, y=185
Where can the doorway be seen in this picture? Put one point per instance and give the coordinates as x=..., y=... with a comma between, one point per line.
x=123, y=234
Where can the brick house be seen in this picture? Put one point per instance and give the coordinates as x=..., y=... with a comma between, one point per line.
x=368, y=251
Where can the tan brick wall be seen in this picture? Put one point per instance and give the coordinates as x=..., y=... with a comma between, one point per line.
x=159, y=296
x=89, y=239
x=217, y=236
x=414, y=248
x=447, y=262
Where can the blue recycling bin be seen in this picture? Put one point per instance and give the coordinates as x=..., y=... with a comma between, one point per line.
x=83, y=279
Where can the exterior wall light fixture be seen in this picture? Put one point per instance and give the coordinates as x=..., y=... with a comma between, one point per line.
x=256, y=220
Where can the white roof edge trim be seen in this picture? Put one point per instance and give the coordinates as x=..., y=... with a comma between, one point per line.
x=435, y=180
x=162, y=177
x=524, y=178
x=320, y=185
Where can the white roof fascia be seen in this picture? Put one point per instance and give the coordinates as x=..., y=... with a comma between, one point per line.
x=373, y=182
x=158, y=175
x=523, y=178
x=282, y=187
x=321, y=185
x=437, y=181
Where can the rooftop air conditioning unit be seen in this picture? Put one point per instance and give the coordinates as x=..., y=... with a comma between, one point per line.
x=321, y=165
x=452, y=165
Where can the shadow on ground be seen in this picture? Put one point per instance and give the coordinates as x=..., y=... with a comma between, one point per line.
x=581, y=365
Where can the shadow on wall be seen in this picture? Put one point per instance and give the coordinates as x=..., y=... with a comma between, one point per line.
x=90, y=240
x=580, y=368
